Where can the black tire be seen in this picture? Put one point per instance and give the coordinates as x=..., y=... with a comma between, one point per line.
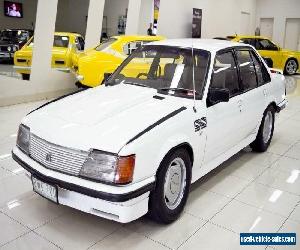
x=262, y=142
x=290, y=61
x=26, y=77
x=158, y=208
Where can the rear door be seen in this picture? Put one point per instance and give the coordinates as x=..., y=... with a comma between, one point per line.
x=224, y=120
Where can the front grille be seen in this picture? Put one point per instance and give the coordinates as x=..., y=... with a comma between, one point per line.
x=55, y=157
x=3, y=48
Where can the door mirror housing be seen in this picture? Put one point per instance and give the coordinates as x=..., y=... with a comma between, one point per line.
x=216, y=95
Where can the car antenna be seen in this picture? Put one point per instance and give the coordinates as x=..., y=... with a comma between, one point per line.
x=194, y=88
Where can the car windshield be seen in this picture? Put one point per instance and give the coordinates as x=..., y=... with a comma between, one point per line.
x=105, y=44
x=15, y=35
x=61, y=41
x=170, y=70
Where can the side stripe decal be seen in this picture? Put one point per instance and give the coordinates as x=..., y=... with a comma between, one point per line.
x=156, y=124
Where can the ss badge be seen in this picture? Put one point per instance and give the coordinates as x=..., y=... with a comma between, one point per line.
x=200, y=124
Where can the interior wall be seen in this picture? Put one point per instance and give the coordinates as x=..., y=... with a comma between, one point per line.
x=146, y=16
x=44, y=82
x=112, y=10
x=280, y=10
x=219, y=18
x=29, y=12
x=72, y=16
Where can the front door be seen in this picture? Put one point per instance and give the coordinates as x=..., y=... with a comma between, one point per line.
x=224, y=119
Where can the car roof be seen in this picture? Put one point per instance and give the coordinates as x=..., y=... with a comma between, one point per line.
x=212, y=45
x=248, y=36
x=66, y=34
x=139, y=37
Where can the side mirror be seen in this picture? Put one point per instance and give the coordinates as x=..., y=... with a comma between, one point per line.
x=216, y=95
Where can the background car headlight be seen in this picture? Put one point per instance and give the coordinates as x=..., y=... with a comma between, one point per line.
x=108, y=167
x=15, y=48
x=9, y=48
x=23, y=139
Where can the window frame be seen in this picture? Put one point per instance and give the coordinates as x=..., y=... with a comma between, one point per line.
x=249, y=49
x=223, y=51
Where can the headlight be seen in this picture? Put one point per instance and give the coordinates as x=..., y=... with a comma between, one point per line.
x=23, y=139
x=8, y=48
x=15, y=48
x=106, y=167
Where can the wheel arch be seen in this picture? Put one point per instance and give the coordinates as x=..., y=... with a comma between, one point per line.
x=186, y=146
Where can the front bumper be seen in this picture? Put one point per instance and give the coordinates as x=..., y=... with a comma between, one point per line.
x=122, y=203
x=282, y=105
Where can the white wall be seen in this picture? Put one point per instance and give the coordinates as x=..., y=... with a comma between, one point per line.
x=219, y=18
x=71, y=15
x=112, y=10
x=279, y=10
x=29, y=12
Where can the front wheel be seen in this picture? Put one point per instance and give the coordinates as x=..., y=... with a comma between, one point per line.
x=291, y=67
x=265, y=132
x=173, y=182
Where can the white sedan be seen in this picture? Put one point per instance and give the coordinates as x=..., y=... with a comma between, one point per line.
x=173, y=111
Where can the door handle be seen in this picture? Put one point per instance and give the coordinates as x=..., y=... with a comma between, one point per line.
x=240, y=104
x=265, y=92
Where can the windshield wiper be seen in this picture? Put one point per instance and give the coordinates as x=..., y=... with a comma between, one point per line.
x=183, y=90
x=137, y=84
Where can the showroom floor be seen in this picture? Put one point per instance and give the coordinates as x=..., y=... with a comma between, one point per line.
x=7, y=69
x=249, y=193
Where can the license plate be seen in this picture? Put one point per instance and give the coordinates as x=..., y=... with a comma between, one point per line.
x=44, y=189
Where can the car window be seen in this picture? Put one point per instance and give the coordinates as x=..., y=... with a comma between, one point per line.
x=128, y=48
x=79, y=43
x=262, y=73
x=170, y=70
x=106, y=44
x=250, y=41
x=61, y=41
x=247, y=70
x=225, y=73
x=265, y=44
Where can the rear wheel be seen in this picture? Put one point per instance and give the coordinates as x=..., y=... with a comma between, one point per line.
x=172, y=187
x=265, y=132
x=291, y=67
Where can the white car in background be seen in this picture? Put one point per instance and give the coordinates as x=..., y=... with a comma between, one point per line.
x=135, y=144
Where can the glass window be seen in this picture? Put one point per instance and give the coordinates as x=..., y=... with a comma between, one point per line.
x=170, y=70
x=265, y=44
x=131, y=46
x=61, y=41
x=79, y=41
x=106, y=44
x=225, y=73
x=247, y=70
x=249, y=41
x=261, y=71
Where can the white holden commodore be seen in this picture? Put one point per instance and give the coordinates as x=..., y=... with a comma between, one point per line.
x=173, y=111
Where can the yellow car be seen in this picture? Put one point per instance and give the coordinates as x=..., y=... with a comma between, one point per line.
x=92, y=66
x=276, y=57
x=65, y=47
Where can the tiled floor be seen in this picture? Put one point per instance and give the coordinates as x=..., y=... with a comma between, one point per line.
x=249, y=193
